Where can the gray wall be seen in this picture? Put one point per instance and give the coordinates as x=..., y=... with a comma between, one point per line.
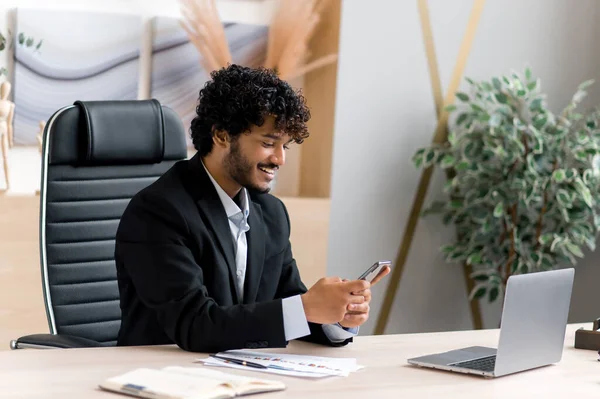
x=385, y=111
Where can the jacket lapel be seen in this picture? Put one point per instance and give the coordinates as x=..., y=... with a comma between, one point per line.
x=213, y=213
x=256, y=238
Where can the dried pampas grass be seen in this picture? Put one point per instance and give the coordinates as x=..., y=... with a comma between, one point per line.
x=291, y=29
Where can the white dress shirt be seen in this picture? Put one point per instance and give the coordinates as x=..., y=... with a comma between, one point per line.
x=295, y=324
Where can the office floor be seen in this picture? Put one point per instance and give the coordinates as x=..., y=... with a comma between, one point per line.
x=21, y=305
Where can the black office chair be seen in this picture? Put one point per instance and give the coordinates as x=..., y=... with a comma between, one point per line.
x=96, y=156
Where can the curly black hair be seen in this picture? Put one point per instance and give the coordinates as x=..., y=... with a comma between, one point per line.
x=238, y=97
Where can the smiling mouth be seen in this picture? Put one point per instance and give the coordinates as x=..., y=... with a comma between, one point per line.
x=269, y=171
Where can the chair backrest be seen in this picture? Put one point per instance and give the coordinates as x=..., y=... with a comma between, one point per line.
x=96, y=156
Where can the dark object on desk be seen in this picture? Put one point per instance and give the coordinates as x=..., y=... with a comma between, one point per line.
x=240, y=362
x=586, y=339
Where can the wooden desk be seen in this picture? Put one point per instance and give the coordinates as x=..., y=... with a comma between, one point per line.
x=75, y=373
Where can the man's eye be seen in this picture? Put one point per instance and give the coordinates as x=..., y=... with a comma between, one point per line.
x=286, y=147
x=267, y=144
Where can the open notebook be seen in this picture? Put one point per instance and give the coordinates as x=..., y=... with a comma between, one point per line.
x=187, y=383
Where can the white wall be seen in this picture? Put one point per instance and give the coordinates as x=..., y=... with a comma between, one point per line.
x=385, y=111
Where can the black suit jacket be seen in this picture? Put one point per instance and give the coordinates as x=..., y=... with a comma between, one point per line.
x=176, y=268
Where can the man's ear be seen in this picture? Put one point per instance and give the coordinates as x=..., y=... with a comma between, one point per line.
x=221, y=138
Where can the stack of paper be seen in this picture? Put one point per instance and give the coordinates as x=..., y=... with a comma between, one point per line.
x=284, y=364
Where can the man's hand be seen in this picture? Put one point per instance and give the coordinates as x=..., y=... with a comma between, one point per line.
x=327, y=301
x=358, y=313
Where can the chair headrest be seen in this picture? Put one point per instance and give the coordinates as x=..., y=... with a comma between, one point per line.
x=123, y=132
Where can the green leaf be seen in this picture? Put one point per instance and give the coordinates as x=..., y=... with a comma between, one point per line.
x=486, y=227
x=545, y=239
x=564, y=198
x=538, y=147
x=500, y=152
x=501, y=98
x=521, y=93
x=581, y=155
x=557, y=240
x=547, y=262
x=570, y=174
x=462, y=166
x=449, y=185
x=497, y=84
x=540, y=122
x=532, y=163
x=528, y=73
x=483, y=117
x=450, y=108
x=565, y=214
x=456, y=255
x=591, y=243
x=418, y=157
x=21, y=38
x=469, y=150
x=516, y=265
x=474, y=259
x=452, y=137
x=37, y=47
x=578, y=96
x=448, y=217
x=478, y=291
x=536, y=104
x=462, y=96
x=574, y=249
x=559, y=175
x=588, y=175
x=585, y=84
x=494, y=292
x=481, y=277
x=29, y=42
x=476, y=108
x=461, y=119
x=499, y=210
x=486, y=86
x=584, y=191
x=532, y=85
x=429, y=157
x=456, y=204
x=448, y=161
x=447, y=249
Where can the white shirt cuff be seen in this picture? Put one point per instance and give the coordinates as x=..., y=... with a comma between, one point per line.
x=294, y=318
x=337, y=333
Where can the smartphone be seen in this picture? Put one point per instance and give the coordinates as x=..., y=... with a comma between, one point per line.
x=374, y=270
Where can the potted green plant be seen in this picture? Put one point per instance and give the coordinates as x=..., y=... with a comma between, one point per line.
x=523, y=181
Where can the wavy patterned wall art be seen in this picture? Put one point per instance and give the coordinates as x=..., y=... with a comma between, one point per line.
x=84, y=56
x=177, y=75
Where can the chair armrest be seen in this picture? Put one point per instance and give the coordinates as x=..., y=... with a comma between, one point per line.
x=51, y=341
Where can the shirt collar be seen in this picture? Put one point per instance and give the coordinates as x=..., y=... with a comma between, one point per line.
x=231, y=208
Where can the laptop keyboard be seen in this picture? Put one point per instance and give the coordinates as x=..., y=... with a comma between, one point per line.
x=482, y=364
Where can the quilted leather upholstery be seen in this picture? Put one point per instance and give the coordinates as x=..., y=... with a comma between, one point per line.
x=82, y=201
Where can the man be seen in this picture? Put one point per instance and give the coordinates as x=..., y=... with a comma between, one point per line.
x=203, y=254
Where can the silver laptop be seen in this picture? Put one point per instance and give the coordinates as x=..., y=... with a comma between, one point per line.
x=532, y=333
